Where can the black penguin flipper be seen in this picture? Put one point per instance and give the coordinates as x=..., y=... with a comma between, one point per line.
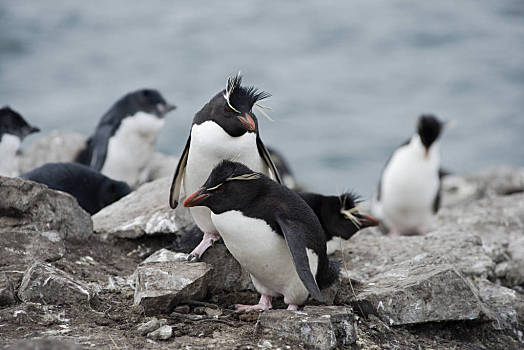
x=174, y=192
x=264, y=153
x=99, y=142
x=436, y=201
x=296, y=243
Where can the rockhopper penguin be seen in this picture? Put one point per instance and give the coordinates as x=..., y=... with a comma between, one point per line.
x=13, y=130
x=408, y=192
x=339, y=216
x=270, y=231
x=225, y=128
x=125, y=138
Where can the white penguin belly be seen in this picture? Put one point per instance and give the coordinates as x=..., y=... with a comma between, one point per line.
x=130, y=149
x=264, y=254
x=409, y=185
x=209, y=145
x=9, y=145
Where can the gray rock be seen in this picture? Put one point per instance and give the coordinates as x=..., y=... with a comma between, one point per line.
x=498, y=181
x=505, y=306
x=143, y=212
x=28, y=206
x=499, y=222
x=164, y=255
x=419, y=292
x=163, y=333
x=56, y=146
x=367, y=255
x=151, y=326
x=8, y=285
x=45, y=344
x=44, y=283
x=160, y=286
x=227, y=274
x=26, y=246
x=320, y=327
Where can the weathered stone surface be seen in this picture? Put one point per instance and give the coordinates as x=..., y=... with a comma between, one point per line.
x=411, y=292
x=9, y=281
x=56, y=146
x=162, y=333
x=227, y=274
x=161, y=165
x=25, y=246
x=164, y=255
x=45, y=344
x=150, y=326
x=144, y=212
x=321, y=327
x=367, y=255
x=505, y=306
x=28, y=206
x=499, y=222
x=498, y=181
x=160, y=286
x=46, y=284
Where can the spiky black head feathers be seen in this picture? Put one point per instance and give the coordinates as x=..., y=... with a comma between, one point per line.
x=349, y=200
x=242, y=98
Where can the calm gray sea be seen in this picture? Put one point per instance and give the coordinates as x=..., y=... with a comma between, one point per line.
x=348, y=78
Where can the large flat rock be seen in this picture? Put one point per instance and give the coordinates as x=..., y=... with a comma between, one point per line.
x=29, y=206
x=144, y=212
x=44, y=283
x=319, y=327
x=163, y=284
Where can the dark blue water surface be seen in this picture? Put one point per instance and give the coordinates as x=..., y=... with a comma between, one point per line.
x=348, y=78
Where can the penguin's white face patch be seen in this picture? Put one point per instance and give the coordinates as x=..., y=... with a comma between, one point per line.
x=131, y=147
x=9, y=145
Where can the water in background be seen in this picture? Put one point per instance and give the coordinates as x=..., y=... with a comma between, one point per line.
x=348, y=78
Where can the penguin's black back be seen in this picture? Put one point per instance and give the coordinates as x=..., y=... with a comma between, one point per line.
x=92, y=190
x=276, y=199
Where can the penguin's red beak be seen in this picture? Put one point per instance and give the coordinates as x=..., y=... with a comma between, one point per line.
x=197, y=197
x=367, y=221
x=247, y=121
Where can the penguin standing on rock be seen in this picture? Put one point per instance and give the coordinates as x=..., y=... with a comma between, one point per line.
x=339, y=216
x=409, y=189
x=225, y=128
x=125, y=138
x=13, y=130
x=270, y=231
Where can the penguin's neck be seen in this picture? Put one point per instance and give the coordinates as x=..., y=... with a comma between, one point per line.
x=416, y=149
x=9, y=145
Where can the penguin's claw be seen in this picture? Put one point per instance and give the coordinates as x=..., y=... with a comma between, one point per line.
x=193, y=258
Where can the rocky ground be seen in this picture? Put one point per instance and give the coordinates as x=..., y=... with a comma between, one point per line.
x=117, y=281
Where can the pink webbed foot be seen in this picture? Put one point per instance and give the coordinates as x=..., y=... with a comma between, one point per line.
x=292, y=307
x=207, y=241
x=263, y=304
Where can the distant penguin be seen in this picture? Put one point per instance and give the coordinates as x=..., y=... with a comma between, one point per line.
x=270, y=231
x=283, y=168
x=225, y=128
x=125, y=138
x=92, y=190
x=339, y=216
x=13, y=130
x=408, y=192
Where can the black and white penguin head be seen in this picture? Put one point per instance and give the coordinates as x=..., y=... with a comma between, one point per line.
x=13, y=123
x=429, y=129
x=232, y=108
x=230, y=186
x=341, y=215
x=149, y=101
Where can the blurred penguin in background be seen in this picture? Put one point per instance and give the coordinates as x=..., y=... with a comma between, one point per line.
x=125, y=138
x=13, y=130
x=408, y=194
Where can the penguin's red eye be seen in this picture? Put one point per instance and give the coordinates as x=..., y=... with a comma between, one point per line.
x=227, y=110
x=220, y=190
